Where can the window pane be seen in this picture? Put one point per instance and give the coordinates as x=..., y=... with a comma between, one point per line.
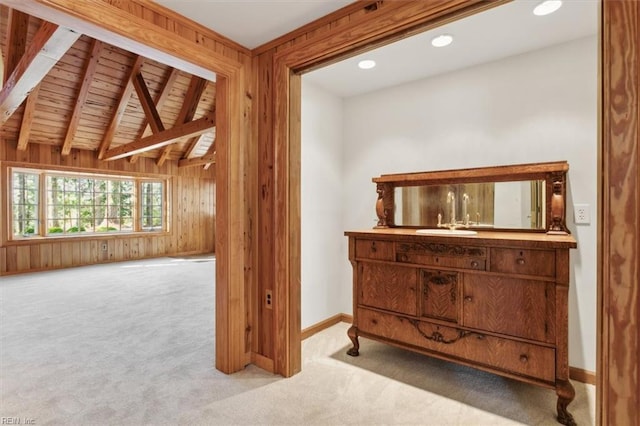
x=151, y=208
x=24, y=203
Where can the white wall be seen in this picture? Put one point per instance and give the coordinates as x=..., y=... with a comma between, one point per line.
x=539, y=106
x=324, y=290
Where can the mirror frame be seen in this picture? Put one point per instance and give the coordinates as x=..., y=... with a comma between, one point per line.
x=554, y=174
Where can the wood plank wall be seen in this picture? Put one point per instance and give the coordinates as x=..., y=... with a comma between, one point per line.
x=619, y=296
x=191, y=214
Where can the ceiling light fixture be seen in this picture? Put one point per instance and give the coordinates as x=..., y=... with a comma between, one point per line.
x=442, y=40
x=366, y=64
x=547, y=7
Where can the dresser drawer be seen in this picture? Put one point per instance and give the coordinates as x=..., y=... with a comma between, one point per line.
x=478, y=264
x=442, y=255
x=541, y=263
x=496, y=353
x=377, y=250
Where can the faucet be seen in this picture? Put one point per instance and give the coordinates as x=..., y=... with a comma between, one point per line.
x=453, y=223
x=451, y=198
x=465, y=202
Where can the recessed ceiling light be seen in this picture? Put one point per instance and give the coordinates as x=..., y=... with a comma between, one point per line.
x=366, y=64
x=442, y=40
x=547, y=7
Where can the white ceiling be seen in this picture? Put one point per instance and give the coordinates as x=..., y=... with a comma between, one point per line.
x=500, y=32
x=253, y=22
x=503, y=31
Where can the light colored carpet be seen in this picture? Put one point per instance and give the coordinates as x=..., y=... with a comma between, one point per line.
x=133, y=343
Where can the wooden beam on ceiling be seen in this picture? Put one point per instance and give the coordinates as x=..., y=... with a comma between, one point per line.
x=148, y=106
x=16, y=40
x=158, y=140
x=90, y=66
x=172, y=76
x=198, y=161
x=188, y=110
x=49, y=44
x=27, y=119
x=119, y=111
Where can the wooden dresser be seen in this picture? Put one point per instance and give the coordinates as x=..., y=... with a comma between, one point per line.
x=496, y=301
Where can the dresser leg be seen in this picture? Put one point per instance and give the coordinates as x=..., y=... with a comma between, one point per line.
x=353, y=335
x=566, y=393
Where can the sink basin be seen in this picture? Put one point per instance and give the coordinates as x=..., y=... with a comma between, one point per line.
x=447, y=232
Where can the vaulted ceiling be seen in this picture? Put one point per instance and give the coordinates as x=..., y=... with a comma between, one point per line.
x=90, y=95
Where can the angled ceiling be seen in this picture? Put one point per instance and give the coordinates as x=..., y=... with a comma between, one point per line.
x=102, y=98
x=253, y=22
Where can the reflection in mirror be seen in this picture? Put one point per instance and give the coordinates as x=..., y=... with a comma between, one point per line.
x=504, y=205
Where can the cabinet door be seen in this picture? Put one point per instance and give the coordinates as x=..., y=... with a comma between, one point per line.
x=511, y=306
x=388, y=287
x=439, y=295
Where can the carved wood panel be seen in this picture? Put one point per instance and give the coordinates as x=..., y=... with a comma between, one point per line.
x=439, y=295
x=517, y=307
x=389, y=287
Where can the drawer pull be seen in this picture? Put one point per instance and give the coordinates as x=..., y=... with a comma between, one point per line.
x=524, y=358
x=520, y=261
x=474, y=264
x=468, y=298
x=373, y=247
x=404, y=258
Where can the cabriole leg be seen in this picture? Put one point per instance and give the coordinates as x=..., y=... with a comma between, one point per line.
x=353, y=335
x=566, y=394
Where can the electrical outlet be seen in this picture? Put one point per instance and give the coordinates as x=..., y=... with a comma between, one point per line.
x=582, y=214
x=268, y=299
x=104, y=246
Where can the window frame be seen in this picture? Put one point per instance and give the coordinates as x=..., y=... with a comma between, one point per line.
x=43, y=173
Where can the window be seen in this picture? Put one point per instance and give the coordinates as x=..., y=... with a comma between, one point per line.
x=151, y=202
x=75, y=204
x=25, y=203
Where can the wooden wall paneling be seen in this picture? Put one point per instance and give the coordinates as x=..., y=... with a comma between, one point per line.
x=23, y=258
x=56, y=255
x=45, y=256
x=11, y=257
x=619, y=314
x=3, y=260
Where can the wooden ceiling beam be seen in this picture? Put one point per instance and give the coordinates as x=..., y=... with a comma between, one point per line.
x=187, y=111
x=122, y=106
x=148, y=106
x=162, y=98
x=198, y=161
x=49, y=44
x=16, y=40
x=27, y=119
x=158, y=140
x=91, y=64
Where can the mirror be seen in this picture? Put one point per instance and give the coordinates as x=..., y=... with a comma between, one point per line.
x=516, y=204
x=526, y=197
